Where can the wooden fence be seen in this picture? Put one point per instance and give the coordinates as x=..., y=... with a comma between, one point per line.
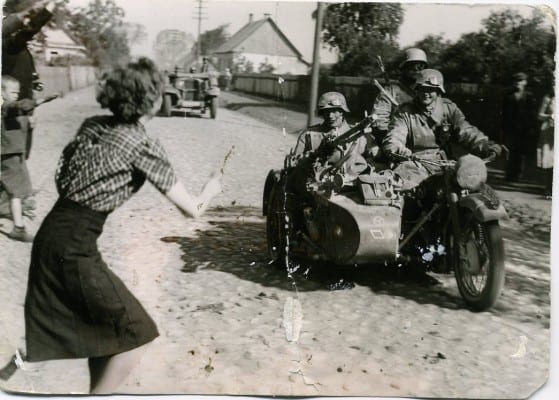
x=480, y=103
x=65, y=79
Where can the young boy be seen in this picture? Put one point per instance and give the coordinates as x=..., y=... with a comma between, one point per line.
x=15, y=176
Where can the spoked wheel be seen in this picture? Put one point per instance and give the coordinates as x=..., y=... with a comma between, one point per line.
x=479, y=263
x=276, y=222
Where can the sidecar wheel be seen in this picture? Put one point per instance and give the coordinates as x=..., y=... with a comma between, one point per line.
x=276, y=227
x=479, y=263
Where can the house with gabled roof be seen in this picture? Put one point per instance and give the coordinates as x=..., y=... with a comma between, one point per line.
x=263, y=46
x=55, y=43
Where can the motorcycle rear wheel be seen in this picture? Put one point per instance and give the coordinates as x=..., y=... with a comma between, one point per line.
x=276, y=231
x=479, y=263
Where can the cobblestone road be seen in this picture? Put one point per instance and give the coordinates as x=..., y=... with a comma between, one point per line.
x=219, y=304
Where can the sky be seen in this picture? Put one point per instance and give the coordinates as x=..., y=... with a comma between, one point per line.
x=294, y=19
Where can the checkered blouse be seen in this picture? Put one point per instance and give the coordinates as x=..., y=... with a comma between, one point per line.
x=108, y=161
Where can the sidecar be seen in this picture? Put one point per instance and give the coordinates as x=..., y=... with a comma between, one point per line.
x=344, y=224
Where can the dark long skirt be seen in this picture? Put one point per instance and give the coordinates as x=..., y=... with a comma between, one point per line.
x=75, y=306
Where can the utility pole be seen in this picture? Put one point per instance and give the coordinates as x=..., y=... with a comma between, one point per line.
x=200, y=16
x=315, y=62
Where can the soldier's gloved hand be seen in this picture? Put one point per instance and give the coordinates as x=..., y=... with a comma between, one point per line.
x=382, y=119
x=401, y=154
x=326, y=147
x=492, y=148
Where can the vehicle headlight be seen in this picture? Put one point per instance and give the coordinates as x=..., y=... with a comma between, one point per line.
x=471, y=172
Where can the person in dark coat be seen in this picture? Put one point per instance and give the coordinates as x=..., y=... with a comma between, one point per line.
x=518, y=124
x=75, y=306
x=22, y=19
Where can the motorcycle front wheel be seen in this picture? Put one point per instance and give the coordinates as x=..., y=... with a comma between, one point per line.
x=479, y=263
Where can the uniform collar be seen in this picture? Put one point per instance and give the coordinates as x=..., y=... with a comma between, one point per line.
x=435, y=111
x=336, y=131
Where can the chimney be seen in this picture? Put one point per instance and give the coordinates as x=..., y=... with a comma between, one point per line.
x=267, y=15
x=250, y=17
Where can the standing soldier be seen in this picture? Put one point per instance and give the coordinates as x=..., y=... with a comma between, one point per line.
x=415, y=60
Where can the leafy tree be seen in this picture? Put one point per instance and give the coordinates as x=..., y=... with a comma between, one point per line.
x=506, y=44
x=241, y=64
x=135, y=33
x=434, y=46
x=173, y=48
x=266, y=68
x=210, y=40
x=360, y=32
x=100, y=28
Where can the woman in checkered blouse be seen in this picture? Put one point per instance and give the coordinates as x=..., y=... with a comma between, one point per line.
x=75, y=306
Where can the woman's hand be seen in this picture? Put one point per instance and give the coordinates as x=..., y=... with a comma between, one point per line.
x=214, y=185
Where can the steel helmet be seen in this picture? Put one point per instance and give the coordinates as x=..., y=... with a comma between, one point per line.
x=430, y=78
x=332, y=100
x=414, y=54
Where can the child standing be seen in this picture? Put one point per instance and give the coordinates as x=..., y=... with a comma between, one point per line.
x=15, y=176
x=75, y=306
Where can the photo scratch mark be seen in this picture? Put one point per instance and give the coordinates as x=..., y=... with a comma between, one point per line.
x=226, y=159
x=292, y=319
x=521, y=351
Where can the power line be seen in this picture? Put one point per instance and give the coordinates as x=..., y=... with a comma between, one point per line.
x=200, y=16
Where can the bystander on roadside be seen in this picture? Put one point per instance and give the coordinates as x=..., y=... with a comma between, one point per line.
x=545, y=141
x=519, y=126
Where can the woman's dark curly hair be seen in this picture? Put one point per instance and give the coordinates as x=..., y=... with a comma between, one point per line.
x=131, y=91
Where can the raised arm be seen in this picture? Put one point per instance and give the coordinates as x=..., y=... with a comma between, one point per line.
x=195, y=206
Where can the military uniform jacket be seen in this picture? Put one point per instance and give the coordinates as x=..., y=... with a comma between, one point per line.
x=17, y=61
x=350, y=155
x=416, y=128
x=311, y=139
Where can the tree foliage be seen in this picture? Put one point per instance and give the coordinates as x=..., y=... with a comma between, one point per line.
x=100, y=28
x=360, y=32
x=210, y=40
x=434, y=46
x=506, y=44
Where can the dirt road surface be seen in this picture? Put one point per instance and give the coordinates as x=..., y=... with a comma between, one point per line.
x=219, y=304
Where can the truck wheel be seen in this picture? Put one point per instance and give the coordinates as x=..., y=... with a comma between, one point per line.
x=167, y=105
x=213, y=108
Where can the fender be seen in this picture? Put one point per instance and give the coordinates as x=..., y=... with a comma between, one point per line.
x=213, y=92
x=272, y=179
x=172, y=91
x=475, y=203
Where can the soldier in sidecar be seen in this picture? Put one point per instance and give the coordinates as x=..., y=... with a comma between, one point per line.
x=347, y=159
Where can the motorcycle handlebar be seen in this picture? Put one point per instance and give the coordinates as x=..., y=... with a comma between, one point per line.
x=413, y=157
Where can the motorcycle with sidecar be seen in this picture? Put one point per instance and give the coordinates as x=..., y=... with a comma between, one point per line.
x=449, y=221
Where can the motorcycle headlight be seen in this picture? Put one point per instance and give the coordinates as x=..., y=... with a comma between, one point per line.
x=471, y=172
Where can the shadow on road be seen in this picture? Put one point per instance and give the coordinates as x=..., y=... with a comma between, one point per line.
x=236, y=244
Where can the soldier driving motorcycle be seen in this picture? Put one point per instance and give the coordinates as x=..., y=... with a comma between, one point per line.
x=427, y=126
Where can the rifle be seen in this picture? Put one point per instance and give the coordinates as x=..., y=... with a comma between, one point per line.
x=327, y=146
x=386, y=82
